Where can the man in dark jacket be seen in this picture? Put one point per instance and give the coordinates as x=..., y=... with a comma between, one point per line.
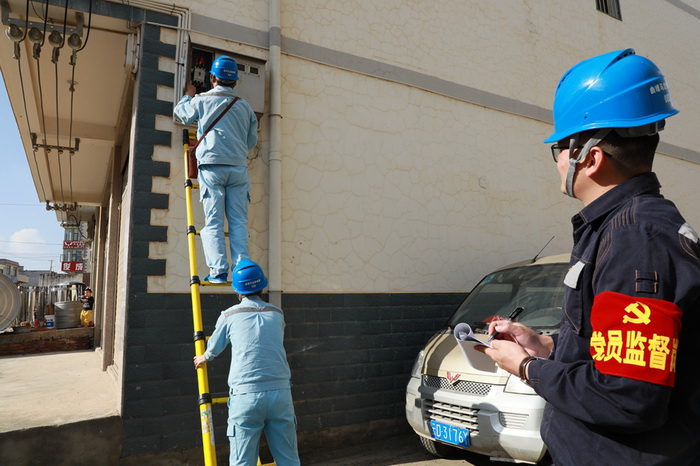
x=620, y=379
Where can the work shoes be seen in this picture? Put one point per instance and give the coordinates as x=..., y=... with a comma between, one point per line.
x=219, y=279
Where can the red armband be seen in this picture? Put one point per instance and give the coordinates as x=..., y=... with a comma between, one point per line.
x=635, y=337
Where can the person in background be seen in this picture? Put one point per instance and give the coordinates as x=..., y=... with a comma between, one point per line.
x=86, y=315
x=260, y=395
x=620, y=379
x=222, y=159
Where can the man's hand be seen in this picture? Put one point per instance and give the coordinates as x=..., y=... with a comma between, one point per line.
x=531, y=341
x=506, y=354
x=190, y=90
x=514, y=343
x=198, y=361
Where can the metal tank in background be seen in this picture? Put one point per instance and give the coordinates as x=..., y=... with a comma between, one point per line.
x=61, y=300
x=66, y=301
x=68, y=291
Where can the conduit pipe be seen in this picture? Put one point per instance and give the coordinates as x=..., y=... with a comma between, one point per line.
x=275, y=159
x=183, y=26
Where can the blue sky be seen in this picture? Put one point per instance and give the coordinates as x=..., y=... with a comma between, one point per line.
x=29, y=234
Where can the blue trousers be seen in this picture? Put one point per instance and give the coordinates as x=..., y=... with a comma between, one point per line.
x=250, y=414
x=225, y=193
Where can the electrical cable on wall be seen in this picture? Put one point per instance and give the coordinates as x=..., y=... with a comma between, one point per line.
x=72, y=86
x=74, y=42
x=80, y=230
x=12, y=33
x=58, y=40
x=39, y=38
x=36, y=12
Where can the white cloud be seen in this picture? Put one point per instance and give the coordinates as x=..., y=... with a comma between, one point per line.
x=28, y=241
x=28, y=247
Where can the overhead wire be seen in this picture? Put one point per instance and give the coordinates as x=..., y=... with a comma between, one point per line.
x=80, y=230
x=37, y=55
x=36, y=12
x=24, y=99
x=23, y=205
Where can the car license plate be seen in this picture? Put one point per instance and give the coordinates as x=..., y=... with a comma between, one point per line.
x=450, y=434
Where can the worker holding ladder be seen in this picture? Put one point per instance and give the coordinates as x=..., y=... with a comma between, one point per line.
x=205, y=399
x=260, y=395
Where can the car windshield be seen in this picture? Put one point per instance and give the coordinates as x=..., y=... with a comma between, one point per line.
x=538, y=289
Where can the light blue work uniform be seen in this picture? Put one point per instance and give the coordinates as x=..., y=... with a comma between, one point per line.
x=260, y=395
x=223, y=171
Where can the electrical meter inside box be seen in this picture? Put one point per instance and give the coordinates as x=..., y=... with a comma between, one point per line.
x=251, y=76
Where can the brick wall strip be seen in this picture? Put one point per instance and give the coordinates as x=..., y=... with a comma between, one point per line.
x=350, y=355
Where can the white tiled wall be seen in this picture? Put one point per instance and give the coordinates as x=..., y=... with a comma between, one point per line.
x=390, y=187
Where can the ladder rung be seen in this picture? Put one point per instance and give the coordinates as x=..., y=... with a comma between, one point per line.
x=219, y=401
x=215, y=284
x=198, y=232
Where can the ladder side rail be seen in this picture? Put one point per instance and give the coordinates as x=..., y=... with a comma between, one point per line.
x=205, y=401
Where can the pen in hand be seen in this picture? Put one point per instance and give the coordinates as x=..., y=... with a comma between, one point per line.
x=513, y=315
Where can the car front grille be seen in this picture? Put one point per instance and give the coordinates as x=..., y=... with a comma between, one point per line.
x=452, y=414
x=462, y=386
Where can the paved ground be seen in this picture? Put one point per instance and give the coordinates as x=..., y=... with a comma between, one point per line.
x=53, y=389
x=399, y=451
x=59, y=388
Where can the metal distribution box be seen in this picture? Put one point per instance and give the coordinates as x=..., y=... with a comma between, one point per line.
x=251, y=75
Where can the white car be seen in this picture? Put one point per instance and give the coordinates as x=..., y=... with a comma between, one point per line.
x=460, y=399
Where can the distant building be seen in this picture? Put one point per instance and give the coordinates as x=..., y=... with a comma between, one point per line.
x=13, y=270
x=75, y=257
x=50, y=278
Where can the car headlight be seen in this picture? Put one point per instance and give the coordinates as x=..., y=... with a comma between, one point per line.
x=418, y=364
x=515, y=385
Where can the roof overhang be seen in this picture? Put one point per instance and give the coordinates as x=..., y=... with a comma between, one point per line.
x=72, y=103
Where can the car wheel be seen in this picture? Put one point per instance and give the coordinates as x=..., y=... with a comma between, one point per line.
x=436, y=448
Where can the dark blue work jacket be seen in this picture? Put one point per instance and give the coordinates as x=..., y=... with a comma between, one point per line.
x=634, y=242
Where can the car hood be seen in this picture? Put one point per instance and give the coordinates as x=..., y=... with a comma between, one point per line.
x=444, y=358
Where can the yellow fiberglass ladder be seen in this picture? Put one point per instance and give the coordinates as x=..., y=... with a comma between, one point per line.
x=189, y=138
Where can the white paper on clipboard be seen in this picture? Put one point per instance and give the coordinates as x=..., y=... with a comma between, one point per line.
x=466, y=340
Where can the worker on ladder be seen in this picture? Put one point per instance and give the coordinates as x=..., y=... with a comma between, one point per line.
x=260, y=395
x=222, y=159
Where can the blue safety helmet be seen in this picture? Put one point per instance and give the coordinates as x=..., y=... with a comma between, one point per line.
x=615, y=90
x=225, y=68
x=248, y=278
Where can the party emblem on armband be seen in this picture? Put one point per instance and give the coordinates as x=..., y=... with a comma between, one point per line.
x=635, y=337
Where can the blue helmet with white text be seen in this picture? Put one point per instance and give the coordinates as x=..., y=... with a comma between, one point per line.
x=248, y=278
x=225, y=68
x=615, y=90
